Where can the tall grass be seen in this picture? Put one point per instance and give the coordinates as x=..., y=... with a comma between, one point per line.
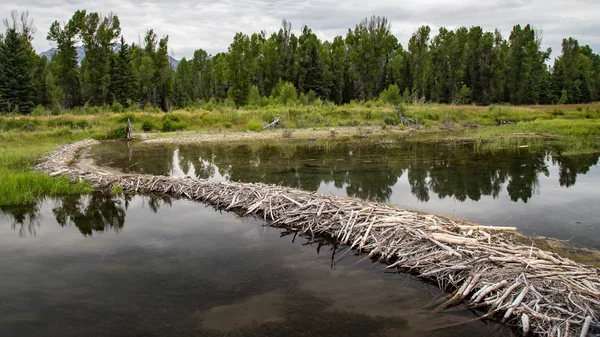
x=19, y=184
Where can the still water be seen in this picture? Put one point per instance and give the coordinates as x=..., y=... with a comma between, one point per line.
x=97, y=265
x=534, y=188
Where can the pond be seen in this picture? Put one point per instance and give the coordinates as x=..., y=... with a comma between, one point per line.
x=532, y=187
x=97, y=265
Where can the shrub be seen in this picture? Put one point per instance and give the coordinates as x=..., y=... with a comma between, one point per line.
x=254, y=97
x=40, y=110
x=172, y=122
x=288, y=94
x=169, y=125
x=117, y=107
x=147, y=126
x=228, y=125
x=391, y=95
x=463, y=96
x=117, y=133
x=171, y=117
x=128, y=116
x=254, y=125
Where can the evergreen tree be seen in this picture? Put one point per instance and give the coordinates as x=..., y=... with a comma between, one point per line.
x=122, y=79
x=16, y=84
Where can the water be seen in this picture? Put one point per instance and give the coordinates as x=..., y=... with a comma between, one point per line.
x=535, y=188
x=138, y=266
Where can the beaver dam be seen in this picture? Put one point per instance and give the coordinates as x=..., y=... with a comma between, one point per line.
x=484, y=267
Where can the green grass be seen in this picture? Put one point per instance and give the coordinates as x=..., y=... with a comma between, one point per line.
x=18, y=154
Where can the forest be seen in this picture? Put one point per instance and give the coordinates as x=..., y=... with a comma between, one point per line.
x=462, y=66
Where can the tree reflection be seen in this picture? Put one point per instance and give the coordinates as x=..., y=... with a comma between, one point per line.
x=94, y=213
x=25, y=217
x=369, y=171
x=91, y=213
x=571, y=166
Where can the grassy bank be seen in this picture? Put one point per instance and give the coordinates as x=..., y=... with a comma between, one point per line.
x=24, y=140
x=575, y=120
x=18, y=154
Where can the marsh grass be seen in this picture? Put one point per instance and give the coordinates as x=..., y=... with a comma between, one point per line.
x=18, y=154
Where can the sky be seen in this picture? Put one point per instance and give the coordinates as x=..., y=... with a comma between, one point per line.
x=211, y=24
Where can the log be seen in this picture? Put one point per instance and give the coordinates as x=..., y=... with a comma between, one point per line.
x=274, y=123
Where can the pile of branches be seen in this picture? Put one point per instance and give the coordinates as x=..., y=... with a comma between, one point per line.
x=485, y=267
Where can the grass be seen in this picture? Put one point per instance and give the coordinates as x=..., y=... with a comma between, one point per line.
x=24, y=140
x=18, y=154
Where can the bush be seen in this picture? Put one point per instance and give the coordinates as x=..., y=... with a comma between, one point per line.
x=228, y=125
x=117, y=107
x=254, y=125
x=463, y=96
x=171, y=118
x=117, y=133
x=169, y=126
x=128, y=116
x=288, y=94
x=391, y=95
x=172, y=122
x=147, y=126
x=254, y=96
x=40, y=110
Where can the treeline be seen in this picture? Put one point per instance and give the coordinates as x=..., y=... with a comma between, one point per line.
x=467, y=65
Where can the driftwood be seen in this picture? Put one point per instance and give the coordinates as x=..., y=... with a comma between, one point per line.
x=274, y=123
x=538, y=291
x=129, y=129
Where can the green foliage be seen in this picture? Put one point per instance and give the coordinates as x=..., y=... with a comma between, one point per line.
x=172, y=122
x=147, y=126
x=391, y=95
x=116, y=133
x=463, y=96
x=254, y=125
x=288, y=95
x=368, y=65
x=16, y=83
x=254, y=98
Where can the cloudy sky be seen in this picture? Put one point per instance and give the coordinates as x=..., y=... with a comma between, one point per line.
x=211, y=24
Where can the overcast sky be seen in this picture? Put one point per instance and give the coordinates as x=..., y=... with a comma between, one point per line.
x=211, y=24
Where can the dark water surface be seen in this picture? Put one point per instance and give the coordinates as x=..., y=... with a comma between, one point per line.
x=138, y=266
x=534, y=188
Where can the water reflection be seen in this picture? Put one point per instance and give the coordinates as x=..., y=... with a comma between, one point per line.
x=205, y=274
x=368, y=171
x=93, y=213
x=24, y=218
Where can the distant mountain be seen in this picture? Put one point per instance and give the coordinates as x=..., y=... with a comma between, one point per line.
x=81, y=54
x=50, y=52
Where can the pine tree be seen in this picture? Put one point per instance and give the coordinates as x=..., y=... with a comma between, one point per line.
x=16, y=85
x=122, y=79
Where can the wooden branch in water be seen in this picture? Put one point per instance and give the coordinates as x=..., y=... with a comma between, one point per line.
x=535, y=290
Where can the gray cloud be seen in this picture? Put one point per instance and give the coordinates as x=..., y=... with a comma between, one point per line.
x=211, y=24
